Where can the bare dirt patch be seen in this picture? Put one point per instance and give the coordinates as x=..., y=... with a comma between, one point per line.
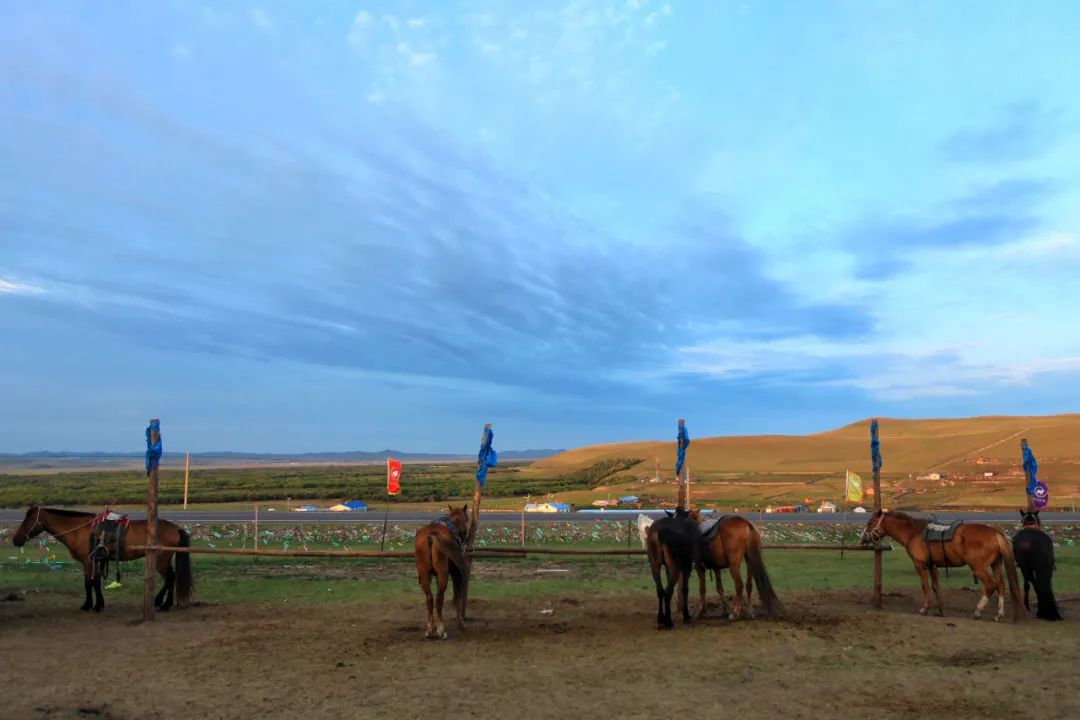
x=596, y=654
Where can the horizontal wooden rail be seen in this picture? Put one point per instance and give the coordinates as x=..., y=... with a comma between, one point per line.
x=301, y=553
x=490, y=552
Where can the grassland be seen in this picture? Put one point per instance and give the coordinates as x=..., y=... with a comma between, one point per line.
x=743, y=473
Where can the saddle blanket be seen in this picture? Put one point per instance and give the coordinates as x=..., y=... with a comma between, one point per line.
x=936, y=532
x=710, y=527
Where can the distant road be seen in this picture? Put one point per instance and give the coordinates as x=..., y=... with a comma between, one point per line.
x=13, y=517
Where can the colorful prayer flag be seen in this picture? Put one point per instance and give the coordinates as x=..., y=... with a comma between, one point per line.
x=393, y=476
x=854, y=488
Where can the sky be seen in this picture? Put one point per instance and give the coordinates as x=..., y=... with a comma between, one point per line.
x=356, y=225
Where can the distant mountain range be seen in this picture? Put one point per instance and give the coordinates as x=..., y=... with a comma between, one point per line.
x=48, y=460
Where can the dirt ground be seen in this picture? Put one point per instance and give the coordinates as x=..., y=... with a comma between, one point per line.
x=592, y=656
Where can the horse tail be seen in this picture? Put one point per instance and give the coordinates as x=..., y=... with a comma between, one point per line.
x=454, y=553
x=185, y=581
x=1019, y=613
x=756, y=563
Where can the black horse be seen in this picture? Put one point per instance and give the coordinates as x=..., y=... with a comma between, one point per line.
x=672, y=542
x=1034, y=551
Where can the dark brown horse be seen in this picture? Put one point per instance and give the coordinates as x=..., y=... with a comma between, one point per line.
x=981, y=547
x=75, y=530
x=439, y=549
x=1034, y=552
x=672, y=543
x=725, y=546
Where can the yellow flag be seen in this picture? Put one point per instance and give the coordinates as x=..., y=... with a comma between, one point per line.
x=854, y=488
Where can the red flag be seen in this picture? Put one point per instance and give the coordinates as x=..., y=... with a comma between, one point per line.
x=393, y=476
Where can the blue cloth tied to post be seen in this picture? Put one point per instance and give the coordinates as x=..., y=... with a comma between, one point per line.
x=153, y=449
x=875, y=446
x=682, y=442
x=487, y=458
x=1031, y=467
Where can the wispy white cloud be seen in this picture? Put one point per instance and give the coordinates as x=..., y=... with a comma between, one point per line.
x=9, y=286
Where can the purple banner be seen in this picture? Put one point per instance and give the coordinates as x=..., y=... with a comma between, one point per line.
x=1041, y=496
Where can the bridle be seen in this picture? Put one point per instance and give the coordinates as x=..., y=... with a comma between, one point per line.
x=37, y=522
x=877, y=532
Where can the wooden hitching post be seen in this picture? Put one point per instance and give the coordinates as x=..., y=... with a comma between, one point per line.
x=187, y=472
x=878, y=559
x=1027, y=477
x=683, y=479
x=474, y=522
x=151, y=530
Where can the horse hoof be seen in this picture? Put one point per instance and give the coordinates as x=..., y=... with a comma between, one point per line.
x=98, y=609
x=978, y=616
x=940, y=613
x=85, y=608
x=443, y=635
x=922, y=611
x=731, y=616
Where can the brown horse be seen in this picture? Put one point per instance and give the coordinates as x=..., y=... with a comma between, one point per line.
x=735, y=538
x=981, y=547
x=75, y=530
x=439, y=550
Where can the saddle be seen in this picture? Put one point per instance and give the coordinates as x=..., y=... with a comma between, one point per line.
x=936, y=532
x=711, y=527
x=107, y=540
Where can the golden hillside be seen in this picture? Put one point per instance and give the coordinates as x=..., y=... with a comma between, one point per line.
x=908, y=446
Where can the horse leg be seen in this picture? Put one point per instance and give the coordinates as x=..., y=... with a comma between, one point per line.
x=99, y=597
x=999, y=581
x=456, y=579
x=720, y=591
x=1028, y=579
x=164, y=599
x=983, y=574
x=923, y=573
x=749, y=592
x=654, y=566
x=701, y=591
x=673, y=577
x=442, y=576
x=684, y=593
x=423, y=574
x=88, y=584
x=937, y=590
x=737, y=606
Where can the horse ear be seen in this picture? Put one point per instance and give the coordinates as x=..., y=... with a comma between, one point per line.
x=450, y=508
x=669, y=513
x=465, y=508
x=1023, y=514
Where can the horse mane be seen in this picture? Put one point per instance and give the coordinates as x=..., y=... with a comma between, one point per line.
x=68, y=513
x=918, y=523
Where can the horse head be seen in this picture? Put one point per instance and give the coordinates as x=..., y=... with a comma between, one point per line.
x=875, y=528
x=31, y=526
x=459, y=518
x=1030, y=519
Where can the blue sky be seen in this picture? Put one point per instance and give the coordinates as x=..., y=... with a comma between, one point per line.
x=358, y=225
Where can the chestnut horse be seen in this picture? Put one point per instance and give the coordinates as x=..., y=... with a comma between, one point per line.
x=74, y=528
x=735, y=538
x=981, y=547
x=439, y=549
x=672, y=542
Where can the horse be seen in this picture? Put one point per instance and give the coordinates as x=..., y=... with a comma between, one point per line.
x=1034, y=552
x=672, y=543
x=75, y=529
x=439, y=548
x=724, y=545
x=981, y=547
